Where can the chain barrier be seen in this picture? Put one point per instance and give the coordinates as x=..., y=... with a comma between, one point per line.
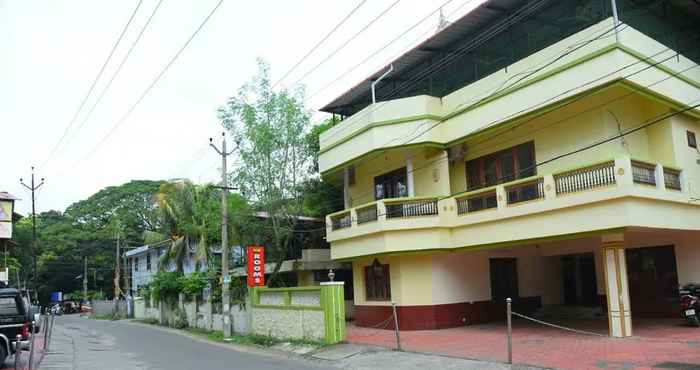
x=590, y=333
x=577, y=331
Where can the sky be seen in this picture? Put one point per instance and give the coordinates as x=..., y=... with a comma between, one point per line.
x=51, y=51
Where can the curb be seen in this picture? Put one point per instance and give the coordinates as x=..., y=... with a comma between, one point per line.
x=252, y=349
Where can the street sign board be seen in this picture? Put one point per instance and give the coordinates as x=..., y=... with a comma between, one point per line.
x=256, y=266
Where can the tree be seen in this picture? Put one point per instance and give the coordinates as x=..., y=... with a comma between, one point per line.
x=190, y=215
x=269, y=128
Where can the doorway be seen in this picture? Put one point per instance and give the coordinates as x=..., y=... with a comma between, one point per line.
x=653, y=281
x=579, y=280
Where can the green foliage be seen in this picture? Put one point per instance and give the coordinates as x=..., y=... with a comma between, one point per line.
x=192, y=284
x=190, y=215
x=270, y=128
x=166, y=286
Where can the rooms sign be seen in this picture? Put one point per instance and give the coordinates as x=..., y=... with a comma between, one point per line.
x=256, y=266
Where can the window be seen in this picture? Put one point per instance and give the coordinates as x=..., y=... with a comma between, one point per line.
x=691, y=139
x=136, y=263
x=377, y=282
x=504, y=279
x=507, y=165
x=148, y=262
x=391, y=185
x=9, y=306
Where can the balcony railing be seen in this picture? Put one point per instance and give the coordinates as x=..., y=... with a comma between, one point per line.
x=367, y=214
x=411, y=208
x=525, y=191
x=341, y=221
x=477, y=202
x=619, y=175
x=644, y=173
x=672, y=178
x=586, y=178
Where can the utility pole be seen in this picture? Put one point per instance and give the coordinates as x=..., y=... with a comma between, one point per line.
x=117, y=275
x=225, y=286
x=85, y=280
x=127, y=277
x=33, y=188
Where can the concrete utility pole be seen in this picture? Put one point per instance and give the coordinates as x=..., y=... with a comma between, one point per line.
x=127, y=277
x=85, y=279
x=117, y=275
x=225, y=286
x=33, y=188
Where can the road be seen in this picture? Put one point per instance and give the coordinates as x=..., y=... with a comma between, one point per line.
x=81, y=343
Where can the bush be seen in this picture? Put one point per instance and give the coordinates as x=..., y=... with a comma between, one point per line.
x=194, y=283
x=166, y=286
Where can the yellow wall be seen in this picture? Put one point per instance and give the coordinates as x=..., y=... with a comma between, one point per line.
x=686, y=157
x=411, y=281
x=431, y=174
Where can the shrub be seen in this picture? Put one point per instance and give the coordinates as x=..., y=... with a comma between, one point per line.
x=193, y=283
x=166, y=286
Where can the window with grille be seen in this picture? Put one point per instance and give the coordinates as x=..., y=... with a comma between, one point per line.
x=377, y=282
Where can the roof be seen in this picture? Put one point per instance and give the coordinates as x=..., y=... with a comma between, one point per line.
x=136, y=251
x=408, y=65
x=7, y=196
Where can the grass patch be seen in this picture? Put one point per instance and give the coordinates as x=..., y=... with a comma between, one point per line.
x=253, y=339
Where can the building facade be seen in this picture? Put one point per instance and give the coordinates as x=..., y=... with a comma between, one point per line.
x=543, y=151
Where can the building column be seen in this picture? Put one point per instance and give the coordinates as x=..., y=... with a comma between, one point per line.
x=409, y=176
x=616, y=286
x=346, y=187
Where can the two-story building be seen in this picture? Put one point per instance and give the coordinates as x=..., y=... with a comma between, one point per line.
x=544, y=151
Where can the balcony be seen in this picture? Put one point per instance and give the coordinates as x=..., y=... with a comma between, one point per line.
x=460, y=216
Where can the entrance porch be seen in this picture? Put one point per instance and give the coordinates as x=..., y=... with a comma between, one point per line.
x=657, y=343
x=611, y=279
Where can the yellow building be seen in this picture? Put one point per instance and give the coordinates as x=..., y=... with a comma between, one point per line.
x=539, y=150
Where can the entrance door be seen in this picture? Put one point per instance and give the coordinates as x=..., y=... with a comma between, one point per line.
x=578, y=271
x=653, y=281
x=504, y=279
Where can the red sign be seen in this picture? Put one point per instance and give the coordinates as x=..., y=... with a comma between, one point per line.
x=256, y=266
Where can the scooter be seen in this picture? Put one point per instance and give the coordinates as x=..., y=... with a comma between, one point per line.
x=690, y=304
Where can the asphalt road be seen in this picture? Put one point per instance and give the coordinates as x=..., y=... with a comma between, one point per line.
x=81, y=343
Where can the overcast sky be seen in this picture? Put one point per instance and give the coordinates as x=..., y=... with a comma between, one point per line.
x=50, y=51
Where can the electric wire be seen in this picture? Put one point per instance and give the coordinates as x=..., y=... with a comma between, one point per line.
x=348, y=41
x=154, y=82
x=318, y=44
x=116, y=72
x=92, y=86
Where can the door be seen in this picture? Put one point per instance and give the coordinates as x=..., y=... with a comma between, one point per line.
x=653, y=281
x=504, y=279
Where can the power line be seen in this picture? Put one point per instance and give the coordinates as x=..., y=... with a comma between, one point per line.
x=94, y=83
x=379, y=50
x=154, y=82
x=337, y=26
x=348, y=41
x=119, y=68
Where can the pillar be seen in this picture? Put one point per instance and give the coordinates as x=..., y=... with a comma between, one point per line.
x=333, y=304
x=346, y=187
x=616, y=286
x=409, y=177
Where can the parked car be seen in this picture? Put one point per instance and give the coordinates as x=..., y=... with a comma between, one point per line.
x=14, y=320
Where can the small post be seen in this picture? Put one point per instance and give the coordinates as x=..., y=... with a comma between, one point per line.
x=53, y=318
x=31, y=346
x=46, y=330
x=510, y=330
x=396, y=327
x=18, y=351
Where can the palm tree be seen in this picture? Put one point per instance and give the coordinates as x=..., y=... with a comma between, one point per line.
x=189, y=215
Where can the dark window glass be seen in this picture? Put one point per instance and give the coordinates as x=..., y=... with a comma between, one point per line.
x=136, y=264
x=507, y=165
x=148, y=262
x=691, y=139
x=391, y=185
x=377, y=282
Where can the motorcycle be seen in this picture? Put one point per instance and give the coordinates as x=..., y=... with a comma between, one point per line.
x=690, y=304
